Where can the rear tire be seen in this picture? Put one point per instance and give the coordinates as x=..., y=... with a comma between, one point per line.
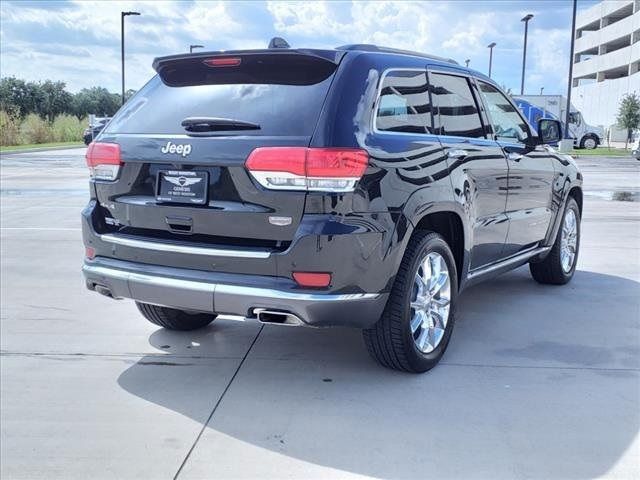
x=396, y=340
x=552, y=270
x=173, y=319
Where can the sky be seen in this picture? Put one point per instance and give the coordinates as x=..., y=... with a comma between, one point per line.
x=78, y=42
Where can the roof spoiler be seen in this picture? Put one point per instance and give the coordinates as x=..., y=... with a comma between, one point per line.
x=333, y=56
x=281, y=66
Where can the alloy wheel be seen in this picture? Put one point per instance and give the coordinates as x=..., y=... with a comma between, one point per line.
x=569, y=241
x=430, y=302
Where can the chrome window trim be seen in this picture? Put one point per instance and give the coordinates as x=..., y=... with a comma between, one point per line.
x=385, y=73
x=186, y=249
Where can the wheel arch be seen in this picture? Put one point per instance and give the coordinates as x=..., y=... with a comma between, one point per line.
x=576, y=194
x=449, y=224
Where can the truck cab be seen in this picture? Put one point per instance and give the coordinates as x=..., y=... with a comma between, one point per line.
x=535, y=107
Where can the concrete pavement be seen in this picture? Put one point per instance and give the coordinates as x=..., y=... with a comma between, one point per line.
x=538, y=382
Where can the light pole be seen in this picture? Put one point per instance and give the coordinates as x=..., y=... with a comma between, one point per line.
x=567, y=135
x=191, y=47
x=466, y=62
x=122, y=15
x=491, y=45
x=525, y=19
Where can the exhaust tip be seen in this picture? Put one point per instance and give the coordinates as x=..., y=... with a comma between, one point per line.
x=103, y=290
x=277, y=317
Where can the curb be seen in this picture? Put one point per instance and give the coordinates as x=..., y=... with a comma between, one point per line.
x=42, y=149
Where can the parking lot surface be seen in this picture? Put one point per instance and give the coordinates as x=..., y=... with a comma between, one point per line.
x=538, y=382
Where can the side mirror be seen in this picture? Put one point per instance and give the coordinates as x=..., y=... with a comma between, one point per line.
x=549, y=131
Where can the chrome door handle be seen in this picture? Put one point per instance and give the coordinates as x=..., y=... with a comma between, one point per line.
x=457, y=153
x=513, y=156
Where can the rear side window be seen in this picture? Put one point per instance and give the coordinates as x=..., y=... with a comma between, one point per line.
x=404, y=104
x=283, y=97
x=455, y=106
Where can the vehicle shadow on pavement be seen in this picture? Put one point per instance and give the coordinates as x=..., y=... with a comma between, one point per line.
x=539, y=382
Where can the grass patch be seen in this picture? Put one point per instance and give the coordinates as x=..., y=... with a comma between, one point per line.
x=601, y=152
x=40, y=145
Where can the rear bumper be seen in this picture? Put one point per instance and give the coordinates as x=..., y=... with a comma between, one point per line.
x=232, y=294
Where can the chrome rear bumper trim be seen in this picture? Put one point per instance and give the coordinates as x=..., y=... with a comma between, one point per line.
x=204, y=295
x=175, y=248
x=221, y=289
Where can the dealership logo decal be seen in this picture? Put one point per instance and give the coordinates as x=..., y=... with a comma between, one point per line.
x=182, y=181
x=183, y=150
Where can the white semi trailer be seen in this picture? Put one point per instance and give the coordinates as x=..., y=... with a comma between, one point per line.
x=554, y=106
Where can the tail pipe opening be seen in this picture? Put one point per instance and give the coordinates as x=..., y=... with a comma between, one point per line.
x=277, y=317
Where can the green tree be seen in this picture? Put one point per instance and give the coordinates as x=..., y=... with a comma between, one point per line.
x=47, y=99
x=54, y=99
x=18, y=96
x=95, y=100
x=629, y=115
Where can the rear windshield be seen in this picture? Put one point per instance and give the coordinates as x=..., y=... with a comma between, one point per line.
x=278, y=108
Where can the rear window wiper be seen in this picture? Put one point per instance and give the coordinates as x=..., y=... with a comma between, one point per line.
x=213, y=124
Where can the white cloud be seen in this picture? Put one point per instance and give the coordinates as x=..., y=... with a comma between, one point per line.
x=549, y=54
x=306, y=19
x=88, y=34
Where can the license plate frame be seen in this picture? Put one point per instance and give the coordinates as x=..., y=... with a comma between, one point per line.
x=177, y=186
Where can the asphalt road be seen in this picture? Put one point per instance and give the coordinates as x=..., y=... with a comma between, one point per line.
x=538, y=382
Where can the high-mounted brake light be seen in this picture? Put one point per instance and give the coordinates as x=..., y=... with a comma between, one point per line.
x=312, y=169
x=103, y=160
x=223, y=61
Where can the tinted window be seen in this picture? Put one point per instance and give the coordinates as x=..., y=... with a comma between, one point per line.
x=281, y=67
x=508, y=124
x=279, y=109
x=575, y=118
x=456, y=108
x=404, y=103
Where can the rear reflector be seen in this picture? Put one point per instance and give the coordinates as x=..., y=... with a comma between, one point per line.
x=89, y=252
x=312, y=169
x=103, y=160
x=312, y=279
x=223, y=62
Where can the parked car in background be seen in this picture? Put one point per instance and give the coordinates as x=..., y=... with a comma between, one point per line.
x=94, y=129
x=635, y=148
x=358, y=186
x=535, y=107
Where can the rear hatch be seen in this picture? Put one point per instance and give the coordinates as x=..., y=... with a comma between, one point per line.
x=185, y=136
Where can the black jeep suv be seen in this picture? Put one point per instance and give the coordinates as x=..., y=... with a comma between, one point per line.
x=360, y=186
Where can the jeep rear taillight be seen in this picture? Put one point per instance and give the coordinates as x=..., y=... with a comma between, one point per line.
x=310, y=169
x=103, y=160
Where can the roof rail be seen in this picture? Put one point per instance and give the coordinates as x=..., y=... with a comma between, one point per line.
x=367, y=47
